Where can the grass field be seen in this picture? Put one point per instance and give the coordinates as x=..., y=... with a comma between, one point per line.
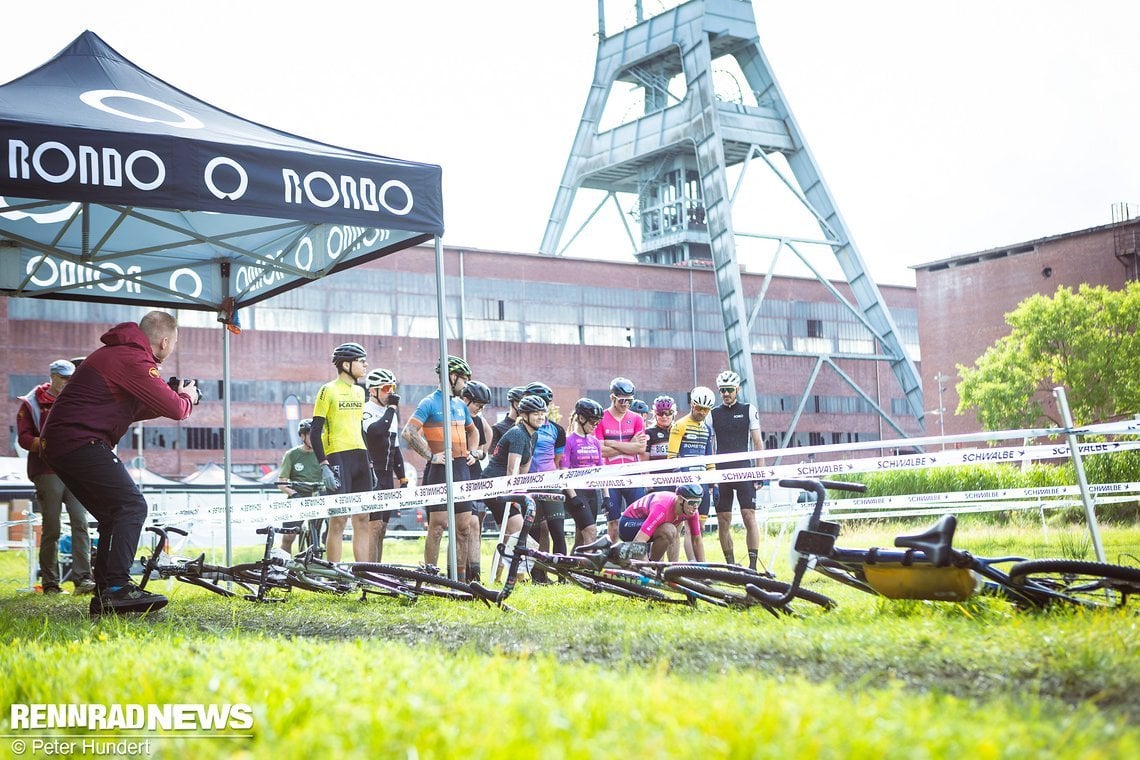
x=572, y=674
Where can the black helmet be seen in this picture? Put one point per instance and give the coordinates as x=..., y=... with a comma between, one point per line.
x=456, y=365
x=515, y=394
x=588, y=409
x=639, y=407
x=542, y=390
x=477, y=391
x=348, y=352
x=304, y=426
x=690, y=491
x=622, y=386
x=531, y=404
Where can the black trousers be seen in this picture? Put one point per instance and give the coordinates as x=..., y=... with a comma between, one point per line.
x=97, y=477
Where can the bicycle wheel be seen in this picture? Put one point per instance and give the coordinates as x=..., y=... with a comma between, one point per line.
x=1088, y=584
x=417, y=581
x=729, y=585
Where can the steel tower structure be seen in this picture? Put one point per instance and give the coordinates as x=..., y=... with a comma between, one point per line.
x=674, y=156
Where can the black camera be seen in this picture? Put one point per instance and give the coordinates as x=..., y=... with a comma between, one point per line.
x=175, y=384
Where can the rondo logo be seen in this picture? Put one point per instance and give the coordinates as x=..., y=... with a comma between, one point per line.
x=182, y=120
x=242, y=178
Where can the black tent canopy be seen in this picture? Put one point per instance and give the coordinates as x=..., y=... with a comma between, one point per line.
x=116, y=186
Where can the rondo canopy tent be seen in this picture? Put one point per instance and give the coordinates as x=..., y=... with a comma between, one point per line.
x=116, y=186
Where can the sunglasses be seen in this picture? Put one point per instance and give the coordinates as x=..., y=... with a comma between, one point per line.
x=665, y=414
x=692, y=503
x=728, y=390
x=697, y=408
x=590, y=421
x=623, y=401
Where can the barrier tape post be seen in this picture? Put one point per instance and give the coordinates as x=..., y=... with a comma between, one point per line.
x=1079, y=467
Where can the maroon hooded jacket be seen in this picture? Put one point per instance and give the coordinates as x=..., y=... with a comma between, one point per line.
x=116, y=386
x=31, y=417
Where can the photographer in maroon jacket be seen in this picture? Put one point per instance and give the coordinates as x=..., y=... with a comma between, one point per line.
x=116, y=386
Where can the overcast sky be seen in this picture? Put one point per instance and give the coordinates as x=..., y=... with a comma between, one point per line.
x=941, y=128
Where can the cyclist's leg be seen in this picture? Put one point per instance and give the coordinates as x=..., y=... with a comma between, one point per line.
x=724, y=522
x=746, y=496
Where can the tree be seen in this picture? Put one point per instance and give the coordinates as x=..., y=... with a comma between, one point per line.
x=1088, y=342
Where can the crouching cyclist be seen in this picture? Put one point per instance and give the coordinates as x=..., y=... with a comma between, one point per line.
x=655, y=518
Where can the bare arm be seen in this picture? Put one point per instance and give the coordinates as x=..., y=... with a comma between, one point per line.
x=416, y=441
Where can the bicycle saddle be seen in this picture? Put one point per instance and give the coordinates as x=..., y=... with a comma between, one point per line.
x=935, y=542
x=600, y=545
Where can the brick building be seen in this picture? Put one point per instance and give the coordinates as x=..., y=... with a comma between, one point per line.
x=572, y=323
x=962, y=301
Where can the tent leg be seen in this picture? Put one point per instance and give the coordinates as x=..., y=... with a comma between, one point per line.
x=445, y=390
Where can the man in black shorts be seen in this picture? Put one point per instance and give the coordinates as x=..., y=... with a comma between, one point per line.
x=381, y=425
x=736, y=424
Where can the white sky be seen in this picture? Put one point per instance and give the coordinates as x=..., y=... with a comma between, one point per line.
x=941, y=128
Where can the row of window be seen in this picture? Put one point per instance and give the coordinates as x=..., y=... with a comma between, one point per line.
x=375, y=302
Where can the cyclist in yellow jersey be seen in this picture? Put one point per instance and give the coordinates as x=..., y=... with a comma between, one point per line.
x=692, y=436
x=339, y=445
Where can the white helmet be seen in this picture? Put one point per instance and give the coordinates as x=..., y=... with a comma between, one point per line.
x=702, y=396
x=378, y=377
x=728, y=378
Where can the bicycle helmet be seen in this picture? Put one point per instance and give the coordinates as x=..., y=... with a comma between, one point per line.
x=702, y=396
x=728, y=379
x=304, y=426
x=690, y=491
x=542, y=390
x=477, y=391
x=515, y=395
x=664, y=404
x=347, y=352
x=621, y=386
x=531, y=404
x=639, y=407
x=588, y=409
x=378, y=377
x=456, y=365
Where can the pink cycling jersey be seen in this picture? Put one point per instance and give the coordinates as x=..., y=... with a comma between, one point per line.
x=657, y=508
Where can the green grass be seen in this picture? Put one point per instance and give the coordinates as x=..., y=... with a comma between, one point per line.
x=573, y=674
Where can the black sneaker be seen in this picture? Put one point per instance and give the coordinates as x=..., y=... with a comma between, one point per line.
x=52, y=590
x=129, y=598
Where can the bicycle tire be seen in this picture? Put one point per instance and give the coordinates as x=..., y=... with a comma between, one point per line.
x=1087, y=584
x=730, y=585
x=419, y=582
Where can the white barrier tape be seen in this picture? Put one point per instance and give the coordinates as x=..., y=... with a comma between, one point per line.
x=633, y=475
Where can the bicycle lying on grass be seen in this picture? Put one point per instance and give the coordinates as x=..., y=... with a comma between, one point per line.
x=275, y=571
x=603, y=567
x=929, y=567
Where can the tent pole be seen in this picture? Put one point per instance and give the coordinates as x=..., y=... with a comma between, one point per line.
x=226, y=443
x=445, y=391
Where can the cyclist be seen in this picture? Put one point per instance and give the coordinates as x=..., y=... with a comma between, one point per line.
x=640, y=407
x=692, y=436
x=656, y=517
x=299, y=467
x=338, y=442
x=549, y=445
x=512, y=456
x=424, y=434
x=664, y=410
x=514, y=396
x=736, y=425
x=380, y=422
x=477, y=395
x=583, y=450
x=623, y=441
